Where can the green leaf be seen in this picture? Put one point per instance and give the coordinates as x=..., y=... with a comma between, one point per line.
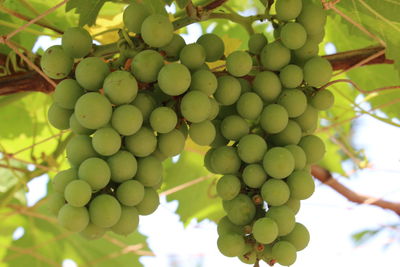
x=182, y=3
x=364, y=236
x=88, y=10
x=197, y=201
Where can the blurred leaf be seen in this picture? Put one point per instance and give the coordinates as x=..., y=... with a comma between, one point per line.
x=87, y=10
x=362, y=237
x=182, y=3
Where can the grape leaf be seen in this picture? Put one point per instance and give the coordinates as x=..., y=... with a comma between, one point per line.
x=182, y=3
x=88, y=10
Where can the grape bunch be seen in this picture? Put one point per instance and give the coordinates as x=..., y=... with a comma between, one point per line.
x=130, y=113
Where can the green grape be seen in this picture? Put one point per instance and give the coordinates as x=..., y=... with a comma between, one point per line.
x=214, y=111
x=55, y=202
x=244, y=85
x=163, y=119
x=204, y=81
x=172, y=143
x=130, y=193
x=265, y=230
x=231, y=244
x=317, y=71
x=267, y=85
x=128, y=222
x=150, y=202
x=228, y=90
x=275, y=56
x=278, y=162
x=234, y=127
x=291, y=76
x=63, y=178
x=299, y=156
x=59, y=117
x=174, y=79
x=249, y=105
x=219, y=139
x=293, y=35
x=149, y=171
x=207, y=160
x=323, y=100
x=202, y=133
x=293, y=204
x=92, y=232
x=146, y=65
x=104, y=211
x=91, y=72
x=80, y=148
x=313, y=18
x=95, y=172
x=134, y=15
x=127, y=119
x=74, y=219
x=228, y=187
x=251, y=148
x=213, y=45
x=291, y=135
x=224, y=160
x=225, y=226
x=256, y=43
x=93, y=110
x=195, y=106
x=145, y=103
x=288, y=9
x=76, y=42
x=284, y=217
x=314, y=148
x=78, y=193
x=284, y=253
x=157, y=30
x=193, y=56
x=239, y=63
x=250, y=257
x=254, y=175
x=301, y=184
x=106, y=141
x=77, y=128
x=317, y=37
x=123, y=166
x=294, y=101
x=120, y=87
x=299, y=237
x=55, y=63
x=159, y=155
x=173, y=48
x=266, y=255
x=275, y=192
x=274, y=118
x=304, y=53
x=242, y=210
x=67, y=93
x=142, y=143
x=309, y=119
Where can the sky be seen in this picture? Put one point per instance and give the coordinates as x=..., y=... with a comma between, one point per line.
x=330, y=218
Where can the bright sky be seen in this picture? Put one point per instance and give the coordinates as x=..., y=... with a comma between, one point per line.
x=330, y=218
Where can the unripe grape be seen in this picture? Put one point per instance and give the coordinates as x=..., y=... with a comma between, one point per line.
x=193, y=56
x=172, y=143
x=77, y=128
x=224, y=160
x=174, y=79
x=265, y=230
x=120, y=87
x=127, y=119
x=80, y=148
x=228, y=90
x=323, y=100
x=250, y=257
x=317, y=71
x=123, y=166
x=55, y=63
x=195, y=106
x=294, y=101
x=91, y=72
x=241, y=210
x=293, y=204
x=278, y=162
x=213, y=45
x=254, y=175
x=267, y=85
x=134, y=15
x=219, y=139
x=313, y=18
x=249, y=105
x=93, y=110
x=149, y=171
x=228, y=187
x=284, y=217
x=157, y=30
x=78, y=193
x=275, y=192
x=234, y=127
x=274, y=118
x=239, y=63
x=314, y=148
x=104, y=211
x=299, y=237
x=275, y=56
x=145, y=103
x=142, y=143
x=291, y=135
x=92, y=232
x=146, y=65
x=202, y=133
x=76, y=42
x=231, y=245
x=225, y=226
x=288, y=9
x=163, y=119
x=256, y=43
x=74, y=219
x=304, y=53
x=130, y=193
x=150, y=202
x=301, y=184
x=251, y=148
x=128, y=221
x=67, y=93
x=204, y=81
x=309, y=119
x=173, y=48
x=95, y=172
x=293, y=35
x=59, y=117
x=55, y=202
x=284, y=253
x=299, y=156
x=106, y=141
x=214, y=111
x=291, y=76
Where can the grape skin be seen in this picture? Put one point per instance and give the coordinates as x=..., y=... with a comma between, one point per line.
x=314, y=148
x=288, y=9
x=224, y=160
x=195, y=106
x=74, y=219
x=254, y=175
x=78, y=193
x=267, y=85
x=239, y=63
x=202, y=133
x=142, y=143
x=55, y=63
x=293, y=35
x=120, y=87
x=228, y=187
x=301, y=184
x=274, y=118
x=95, y=172
x=127, y=119
x=134, y=15
x=67, y=92
x=93, y=110
x=80, y=148
x=91, y=72
x=284, y=252
x=278, y=162
x=231, y=245
x=128, y=221
x=149, y=171
x=256, y=43
x=275, y=56
x=146, y=65
x=106, y=141
x=174, y=79
x=213, y=45
x=193, y=56
x=275, y=192
x=249, y=105
x=299, y=237
x=172, y=143
x=265, y=230
x=123, y=166
x=149, y=203
x=130, y=193
x=228, y=90
x=59, y=117
x=163, y=119
x=76, y=42
x=234, y=127
x=251, y=148
x=104, y=211
x=157, y=30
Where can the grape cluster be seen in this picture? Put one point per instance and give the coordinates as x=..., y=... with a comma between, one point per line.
x=257, y=116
